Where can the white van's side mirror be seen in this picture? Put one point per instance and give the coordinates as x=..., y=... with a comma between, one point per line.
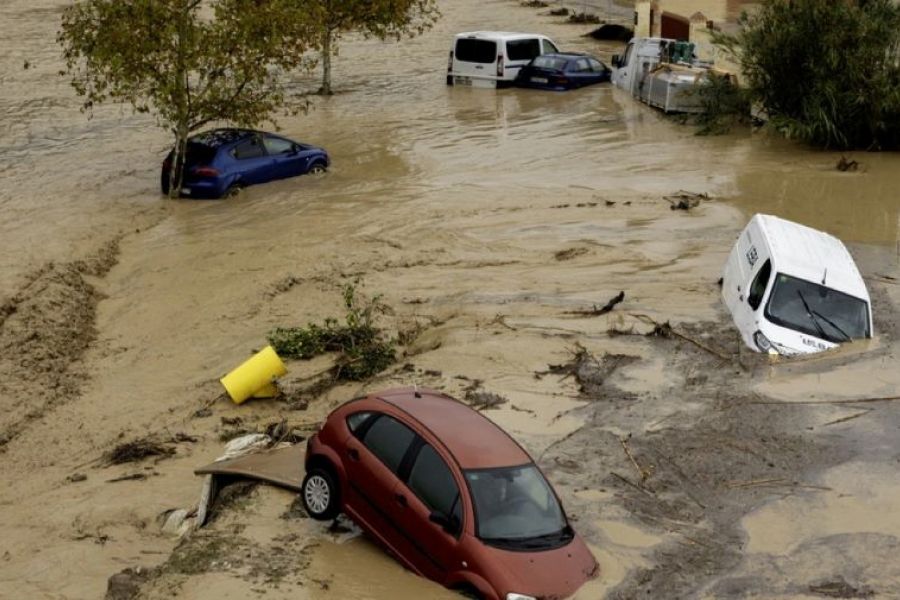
x=616, y=59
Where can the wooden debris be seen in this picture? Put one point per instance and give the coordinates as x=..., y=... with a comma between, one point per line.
x=666, y=330
x=846, y=164
x=682, y=200
x=137, y=450
x=596, y=311
x=849, y=418
x=627, y=481
x=643, y=473
x=756, y=483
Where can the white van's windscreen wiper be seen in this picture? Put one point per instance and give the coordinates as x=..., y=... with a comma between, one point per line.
x=812, y=316
x=847, y=338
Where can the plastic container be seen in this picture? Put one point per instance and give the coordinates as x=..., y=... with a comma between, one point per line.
x=254, y=376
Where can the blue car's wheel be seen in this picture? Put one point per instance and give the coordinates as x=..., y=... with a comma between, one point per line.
x=317, y=168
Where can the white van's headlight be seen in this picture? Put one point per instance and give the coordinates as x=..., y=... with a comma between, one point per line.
x=515, y=596
x=763, y=343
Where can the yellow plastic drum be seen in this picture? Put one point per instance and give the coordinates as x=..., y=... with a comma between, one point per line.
x=270, y=390
x=255, y=375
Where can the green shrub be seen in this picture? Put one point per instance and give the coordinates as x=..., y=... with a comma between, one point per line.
x=363, y=349
x=824, y=71
x=724, y=103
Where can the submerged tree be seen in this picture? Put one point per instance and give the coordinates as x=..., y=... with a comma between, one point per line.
x=327, y=20
x=187, y=62
x=824, y=71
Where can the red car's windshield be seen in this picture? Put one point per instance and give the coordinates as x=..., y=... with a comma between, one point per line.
x=515, y=505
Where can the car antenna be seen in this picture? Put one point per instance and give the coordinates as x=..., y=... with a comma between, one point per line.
x=825, y=276
x=416, y=392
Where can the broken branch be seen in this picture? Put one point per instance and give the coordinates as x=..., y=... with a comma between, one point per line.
x=596, y=312
x=643, y=473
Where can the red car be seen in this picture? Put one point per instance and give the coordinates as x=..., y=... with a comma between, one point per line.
x=448, y=493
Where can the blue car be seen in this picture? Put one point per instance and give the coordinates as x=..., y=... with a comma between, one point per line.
x=562, y=71
x=222, y=161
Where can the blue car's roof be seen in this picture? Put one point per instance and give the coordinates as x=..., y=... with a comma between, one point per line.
x=568, y=55
x=216, y=138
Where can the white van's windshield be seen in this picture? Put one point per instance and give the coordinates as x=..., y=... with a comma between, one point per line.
x=817, y=310
x=476, y=51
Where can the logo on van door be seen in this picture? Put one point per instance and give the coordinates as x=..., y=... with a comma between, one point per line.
x=752, y=256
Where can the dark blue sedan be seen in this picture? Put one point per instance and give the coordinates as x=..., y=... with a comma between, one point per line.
x=222, y=161
x=562, y=71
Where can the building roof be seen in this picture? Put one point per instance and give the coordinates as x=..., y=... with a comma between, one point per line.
x=812, y=255
x=475, y=441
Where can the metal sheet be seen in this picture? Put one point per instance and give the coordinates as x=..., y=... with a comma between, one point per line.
x=282, y=467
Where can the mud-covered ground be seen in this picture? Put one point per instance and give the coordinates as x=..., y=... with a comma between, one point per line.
x=487, y=221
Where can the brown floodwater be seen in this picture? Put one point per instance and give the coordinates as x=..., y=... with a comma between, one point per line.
x=451, y=202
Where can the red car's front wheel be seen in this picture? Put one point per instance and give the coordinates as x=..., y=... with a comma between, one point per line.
x=320, y=495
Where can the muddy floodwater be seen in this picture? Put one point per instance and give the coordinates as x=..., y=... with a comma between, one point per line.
x=487, y=220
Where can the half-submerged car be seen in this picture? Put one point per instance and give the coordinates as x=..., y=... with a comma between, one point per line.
x=221, y=161
x=792, y=289
x=562, y=71
x=448, y=493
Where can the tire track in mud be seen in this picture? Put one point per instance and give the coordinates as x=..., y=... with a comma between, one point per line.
x=45, y=329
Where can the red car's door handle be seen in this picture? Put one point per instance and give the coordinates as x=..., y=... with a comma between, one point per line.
x=401, y=499
x=353, y=453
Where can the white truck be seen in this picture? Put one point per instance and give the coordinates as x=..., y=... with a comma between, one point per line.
x=661, y=72
x=792, y=289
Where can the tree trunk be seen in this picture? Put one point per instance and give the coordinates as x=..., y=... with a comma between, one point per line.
x=176, y=174
x=176, y=171
x=326, y=64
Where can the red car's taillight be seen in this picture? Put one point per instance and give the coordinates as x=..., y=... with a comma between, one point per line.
x=206, y=172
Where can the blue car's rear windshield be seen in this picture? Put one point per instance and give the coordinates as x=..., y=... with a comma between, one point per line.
x=550, y=62
x=199, y=154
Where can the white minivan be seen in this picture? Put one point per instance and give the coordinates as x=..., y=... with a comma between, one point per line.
x=792, y=289
x=493, y=58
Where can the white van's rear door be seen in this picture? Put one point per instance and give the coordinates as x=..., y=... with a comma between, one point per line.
x=474, y=58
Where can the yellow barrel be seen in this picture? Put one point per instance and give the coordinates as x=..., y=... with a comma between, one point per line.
x=255, y=374
x=270, y=390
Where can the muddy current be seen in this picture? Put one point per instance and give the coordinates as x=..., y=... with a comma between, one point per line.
x=487, y=220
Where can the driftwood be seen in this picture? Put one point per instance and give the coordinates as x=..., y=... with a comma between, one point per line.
x=666, y=330
x=596, y=311
x=683, y=200
x=643, y=473
x=849, y=418
x=847, y=164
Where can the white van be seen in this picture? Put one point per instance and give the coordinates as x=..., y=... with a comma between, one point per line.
x=493, y=58
x=794, y=290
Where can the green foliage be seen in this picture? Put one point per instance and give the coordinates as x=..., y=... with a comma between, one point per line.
x=188, y=62
x=327, y=20
x=724, y=104
x=362, y=348
x=824, y=71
